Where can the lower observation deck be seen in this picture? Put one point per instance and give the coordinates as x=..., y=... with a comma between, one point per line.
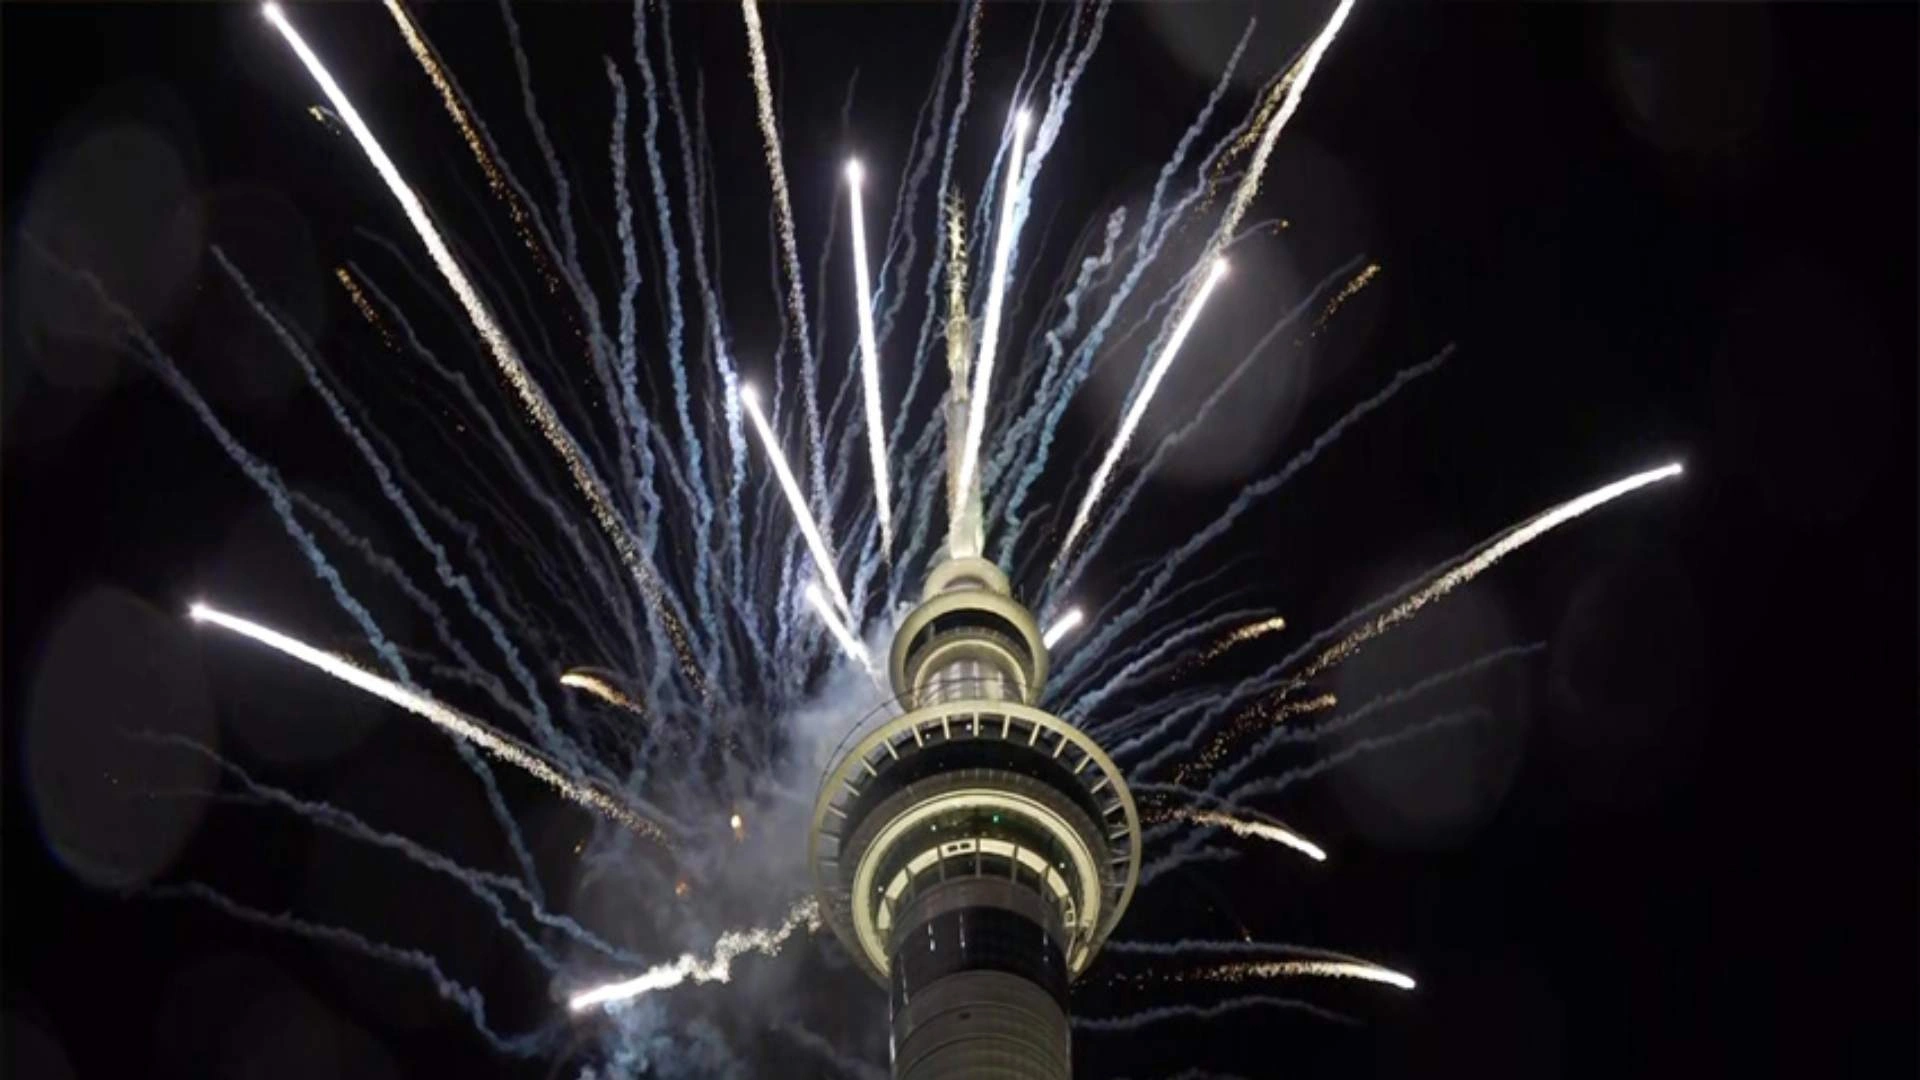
x=1020, y=794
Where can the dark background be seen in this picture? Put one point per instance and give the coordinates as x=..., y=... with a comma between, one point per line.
x=1655, y=231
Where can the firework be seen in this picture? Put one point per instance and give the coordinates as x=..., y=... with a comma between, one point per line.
x=1061, y=627
x=816, y=543
x=1141, y=399
x=602, y=688
x=690, y=967
x=1258, y=830
x=498, y=346
x=499, y=744
x=848, y=643
x=990, y=325
x=869, y=359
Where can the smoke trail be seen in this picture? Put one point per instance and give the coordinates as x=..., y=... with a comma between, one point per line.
x=480, y=883
x=1136, y=1021
x=465, y=998
x=1346, y=720
x=501, y=745
x=449, y=577
x=503, y=352
x=1137, y=409
x=719, y=969
x=789, y=244
x=1148, y=588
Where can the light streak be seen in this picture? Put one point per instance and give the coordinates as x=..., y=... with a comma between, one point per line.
x=1500, y=548
x=848, y=643
x=690, y=967
x=990, y=326
x=1131, y=420
x=1329, y=969
x=1292, y=88
x=1274, y=710
x=1241, y=636
x=499, y=744
x=1259, y=830
x=816, y=543
x=582, y=679
x=1061, y=627
x=869, y=360
x=505, y=357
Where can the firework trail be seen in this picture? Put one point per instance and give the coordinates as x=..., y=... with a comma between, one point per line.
x=789, y=245
x=816, y=543
x=1141, y=399
x=848, y=643
x=1291, y=89
x=1061, y=627
x=473, y=132
x=731, y=945
x=466, y=998
x=1136, y=1021
x=1269, y=713
x=1325, y=969
x=1150, y=583
x=990, y=325
x=869, y=359
x=1347, y=292
x=483, y=885
x=602, y=688
x=502, y=350
x=1258, y=830
x=1502, y=546
x=500, y=745
x=1249, y=632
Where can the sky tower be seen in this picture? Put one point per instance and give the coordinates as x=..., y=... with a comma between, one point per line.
x=974, y=851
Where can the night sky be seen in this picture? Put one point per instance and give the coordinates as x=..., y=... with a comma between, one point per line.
x=1683, y=847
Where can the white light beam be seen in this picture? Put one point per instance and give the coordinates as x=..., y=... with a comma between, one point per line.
x=816, y=543
x=1097, y=486
x=990, y=326
x=870, y=360
x=1061, y=627
x=502, y=746
x=848, y=643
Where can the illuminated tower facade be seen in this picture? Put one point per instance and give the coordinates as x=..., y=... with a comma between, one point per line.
x=974, y=852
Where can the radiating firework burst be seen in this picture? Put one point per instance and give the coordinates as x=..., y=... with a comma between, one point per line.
x=730, y=597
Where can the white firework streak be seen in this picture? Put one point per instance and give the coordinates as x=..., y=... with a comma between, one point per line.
x=850, y=644
x=1329, y=969
x=990, y=326
x=602, y=689
x=1259, y=830
x=690, y=967
x=816, y=543
x=870, y=361
x=1061, y=627
x=1295, y=87
x=499, y=744
x=1500, y=548
x=504, y=355
x=1131, y=420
